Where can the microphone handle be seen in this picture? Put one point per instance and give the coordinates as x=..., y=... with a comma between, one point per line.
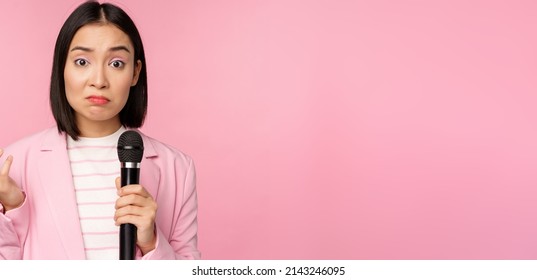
x=127, y=232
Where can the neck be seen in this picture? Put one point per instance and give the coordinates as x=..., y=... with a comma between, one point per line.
x=94, y=129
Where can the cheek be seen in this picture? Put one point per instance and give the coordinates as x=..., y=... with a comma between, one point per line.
x=123, y=83
x=72, y=82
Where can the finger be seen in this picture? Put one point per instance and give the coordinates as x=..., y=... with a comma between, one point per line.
x=133, y=199
x=139, y=221
x=1, y=152
x=135, y=189
x=132, y=210
x=128, y=219
x=6, y=166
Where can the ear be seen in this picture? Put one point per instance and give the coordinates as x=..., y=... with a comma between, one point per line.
x=136, y=75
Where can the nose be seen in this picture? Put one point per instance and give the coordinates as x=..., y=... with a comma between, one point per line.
x=99, y=79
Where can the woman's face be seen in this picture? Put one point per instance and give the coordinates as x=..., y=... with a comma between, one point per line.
x=99, y=71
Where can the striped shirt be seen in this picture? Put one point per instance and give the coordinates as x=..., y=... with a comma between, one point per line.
x=95, y=166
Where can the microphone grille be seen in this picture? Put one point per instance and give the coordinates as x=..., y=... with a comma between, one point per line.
x=130, y=147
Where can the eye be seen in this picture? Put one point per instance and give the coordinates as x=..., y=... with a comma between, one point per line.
x=81, y=62
x=117, y=64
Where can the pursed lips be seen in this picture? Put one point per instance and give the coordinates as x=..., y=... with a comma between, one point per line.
x=98, y=100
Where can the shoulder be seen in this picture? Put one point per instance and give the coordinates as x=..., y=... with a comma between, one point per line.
x=35, y=141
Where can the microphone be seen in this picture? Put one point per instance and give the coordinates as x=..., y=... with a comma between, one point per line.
x=130, y=150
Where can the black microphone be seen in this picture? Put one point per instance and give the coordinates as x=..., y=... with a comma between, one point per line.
x=130, y=150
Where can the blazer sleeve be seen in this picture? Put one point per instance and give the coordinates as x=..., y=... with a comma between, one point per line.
x=13, y=230
x=182, y=244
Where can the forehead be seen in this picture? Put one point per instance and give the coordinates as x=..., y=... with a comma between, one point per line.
x=100, y=36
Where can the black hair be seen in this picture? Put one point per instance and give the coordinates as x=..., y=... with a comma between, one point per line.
x=133, y=113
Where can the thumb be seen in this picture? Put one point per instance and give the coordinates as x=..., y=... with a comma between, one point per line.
x=118, y=183
x=4, y=171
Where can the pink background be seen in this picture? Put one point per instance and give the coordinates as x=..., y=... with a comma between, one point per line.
x=328, y=129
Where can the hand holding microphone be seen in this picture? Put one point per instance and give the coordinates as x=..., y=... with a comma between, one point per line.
x=135, y=208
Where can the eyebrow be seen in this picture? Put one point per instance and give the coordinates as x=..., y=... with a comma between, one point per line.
x=112, y=49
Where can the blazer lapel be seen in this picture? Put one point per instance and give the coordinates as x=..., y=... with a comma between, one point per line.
x=149, y=171
x=57, y=181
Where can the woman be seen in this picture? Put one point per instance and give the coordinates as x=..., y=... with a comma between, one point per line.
x=60, y=194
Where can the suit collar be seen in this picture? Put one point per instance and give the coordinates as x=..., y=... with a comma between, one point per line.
x=149, y=148
x=53, y=139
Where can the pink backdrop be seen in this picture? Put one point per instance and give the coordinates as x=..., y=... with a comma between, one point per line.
x=328, y=129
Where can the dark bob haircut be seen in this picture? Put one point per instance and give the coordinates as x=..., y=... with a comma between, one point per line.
x=134, y=112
